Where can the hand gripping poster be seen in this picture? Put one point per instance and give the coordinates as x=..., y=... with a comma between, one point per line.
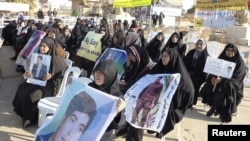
x=84, y=114
x=148, y=100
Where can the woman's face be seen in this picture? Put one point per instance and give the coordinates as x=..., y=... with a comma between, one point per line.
x=199, y=46
x=230, y=52
x=115, y=39
x=127, y=40
x=52, y=34
x=99, y=77
x=132, y=57
x=102, y=31
x=67, y=32
x=165, y=58
x=159, y=37
x=44, y=49
x=174, y=38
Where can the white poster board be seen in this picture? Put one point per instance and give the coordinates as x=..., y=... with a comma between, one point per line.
x=155, y=92
x=219, y=67
x=38, y=74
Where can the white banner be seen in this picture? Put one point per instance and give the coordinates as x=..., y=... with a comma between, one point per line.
x=148, y=100
x=216, y=19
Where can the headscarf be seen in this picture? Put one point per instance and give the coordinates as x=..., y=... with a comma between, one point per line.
x=141, y=35
x=171, y=44
x=105, y=39
x=58, y=64
x=184, y=94
x=178, y=45
x=110, y=85
x=155, y=46
x=134, y=39
x=60, y=39
x=239, y=70
x=204, y=48
x=120, y=38
x=135, y=70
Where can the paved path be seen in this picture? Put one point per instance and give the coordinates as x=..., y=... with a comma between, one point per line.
x=193, y=127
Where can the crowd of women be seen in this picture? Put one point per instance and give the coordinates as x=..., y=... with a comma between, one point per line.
x=154, y=57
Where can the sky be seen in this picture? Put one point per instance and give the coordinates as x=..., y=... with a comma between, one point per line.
x=187, y=4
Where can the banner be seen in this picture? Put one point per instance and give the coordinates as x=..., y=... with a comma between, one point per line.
x=222, y=5
x=31, y=46
x=148, y=100
x=91, y=46
x=38, y=74
x=130, y=3
x=219, y=67
x=84, y=114
x=215, y=19
x=118, y=55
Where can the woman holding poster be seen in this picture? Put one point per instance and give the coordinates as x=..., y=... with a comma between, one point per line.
x=228, y=93
x=171, y=63
x=105, y=79
x=137, y=65
x=28, y=95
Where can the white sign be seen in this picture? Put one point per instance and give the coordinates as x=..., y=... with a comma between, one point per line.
x=219, y=67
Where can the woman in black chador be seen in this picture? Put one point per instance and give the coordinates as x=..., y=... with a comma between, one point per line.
x=175, y=41
x=170, y=63
x=155, y=46
x=195, y=62
x=28, y=95
x=228, y=93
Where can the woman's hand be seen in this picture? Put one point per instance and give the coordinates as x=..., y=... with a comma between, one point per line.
x=28, y=74
x=120, y=105
x=47, y=77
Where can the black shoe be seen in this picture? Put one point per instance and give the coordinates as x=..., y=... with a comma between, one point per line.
x=210, y=112
x=20, y=69
x=121, y=133
x=13, y=58
x=216, y=113
x=150, y=132
x=159, y=135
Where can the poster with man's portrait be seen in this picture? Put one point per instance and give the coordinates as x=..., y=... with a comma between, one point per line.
x=118, y=55
x=148, y=100
x=83, y=115
x=39, y=65
x=31, y=46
